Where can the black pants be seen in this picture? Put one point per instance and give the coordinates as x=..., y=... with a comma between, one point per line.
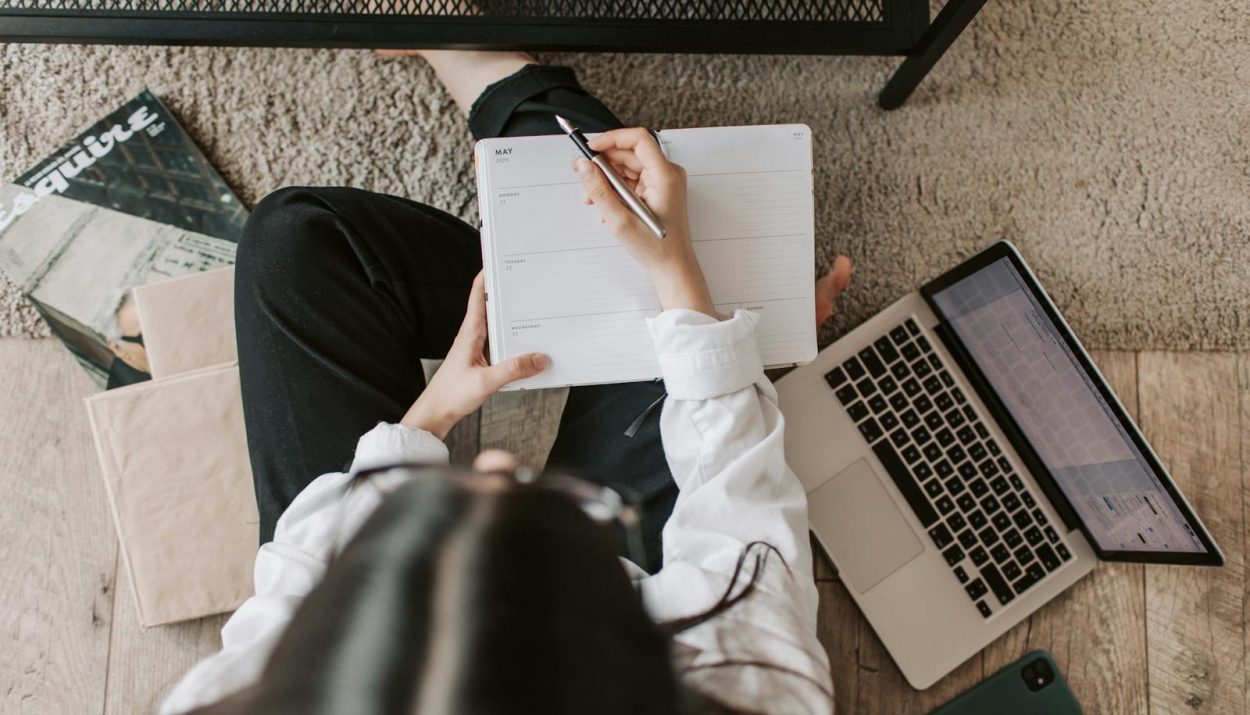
x=339, y=293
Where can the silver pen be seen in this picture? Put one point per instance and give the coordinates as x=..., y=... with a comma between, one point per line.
x=635, y=204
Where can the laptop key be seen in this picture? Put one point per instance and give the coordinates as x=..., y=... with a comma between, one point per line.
x=1063, y=552
x=943, y=402
x=898, y=401
x=1016, y=483
x=933, y=488
x=1001, y=487
x=966, y=503
x=1028, y=500
x=958, y=394
x=977, y=451
x=853, y=369
x=899, y=437
x=954, y=418
x=911, y=387
x=1011, y=571
x=1033, y=536
x=935, y=362
x=872, y=363
x=982, y=431
x=1022, y=519
x=911, y=454
x=1003, y=464
x=955, y=454
x=1047, y=556
x=944, y=504
x=979, y=487
x=932, y=385
x=966, y=435
x=1023, y=583
x=1051, y=535
x=906, y=483
x=933, y=421
x=944, y=470
x=984, y=609
x=1010, y=502
x=956, y=522
x=910, y=419
x=1012, y=538
x=992, y=446
x=923, y=343
x=967, y=470
x=970, y=413
x=835, y=377
x=932, y=452
x=989, y=537
x=988, y=468
x=997, y=583
x=866, y=386
x=961, y=574
x=910, y=352
x=885, y=349
x=944, y=437
x=976, y=589
x=900, y=370
x=968, y=538
x=941, y=536
x=953, y=555
x=1000, y=521
x=888, y=421
x=878, y=404
x=1024, y=556
x=977, y=519
x=947, y=379
x=899, y=335
x=954, y=486
x=1035, y=570
x=921, y=435
x=857, y=411
x=871, y=431
x=978, y=556
x=1001, y=554
x=923, y=404
x=888, y=385
x=1040, y=517
x=922, y=471
x=921, y=369
x=846, y=394
x=912, y=327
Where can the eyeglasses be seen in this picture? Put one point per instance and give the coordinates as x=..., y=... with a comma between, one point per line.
x=137, y=339
x=604, y=505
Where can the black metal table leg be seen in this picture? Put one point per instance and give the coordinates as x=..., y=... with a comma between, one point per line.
x=948, y=24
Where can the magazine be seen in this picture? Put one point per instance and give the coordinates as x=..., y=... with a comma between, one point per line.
x=130, y=201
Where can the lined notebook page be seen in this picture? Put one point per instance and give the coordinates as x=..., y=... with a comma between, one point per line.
x=559, y=283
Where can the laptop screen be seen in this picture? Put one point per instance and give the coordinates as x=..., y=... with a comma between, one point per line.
x=1063, y=415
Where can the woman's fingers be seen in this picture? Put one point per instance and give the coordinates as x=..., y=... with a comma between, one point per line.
x=636, y=139
x=518, y=368
x=474, y=325
x=615, y=214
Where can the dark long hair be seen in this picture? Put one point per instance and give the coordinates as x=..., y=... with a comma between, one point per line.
x=456, y=601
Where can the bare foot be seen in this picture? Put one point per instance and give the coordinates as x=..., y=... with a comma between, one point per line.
x=467, y=73
x=830, y=286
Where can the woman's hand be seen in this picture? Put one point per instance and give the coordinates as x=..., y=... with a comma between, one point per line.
x=660, y=183
x=466, y=378
x=829, y=287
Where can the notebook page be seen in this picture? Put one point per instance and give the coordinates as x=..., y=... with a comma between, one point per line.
x=561, y=284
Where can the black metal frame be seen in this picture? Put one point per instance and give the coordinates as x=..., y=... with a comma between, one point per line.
x=903, y=30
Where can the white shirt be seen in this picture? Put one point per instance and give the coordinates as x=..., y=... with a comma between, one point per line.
x=722, y=435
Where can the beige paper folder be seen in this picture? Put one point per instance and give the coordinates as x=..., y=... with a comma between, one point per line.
x=188, y=322
x=176, y=467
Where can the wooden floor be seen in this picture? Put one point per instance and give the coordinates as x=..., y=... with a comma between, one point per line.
x=1130, y=639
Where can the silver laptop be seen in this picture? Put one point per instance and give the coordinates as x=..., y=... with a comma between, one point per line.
x=965, y=462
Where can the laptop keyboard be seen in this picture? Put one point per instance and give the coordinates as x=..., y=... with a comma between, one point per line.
x=935, y=446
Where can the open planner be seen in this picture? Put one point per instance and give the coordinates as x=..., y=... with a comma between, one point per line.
x=559, y=283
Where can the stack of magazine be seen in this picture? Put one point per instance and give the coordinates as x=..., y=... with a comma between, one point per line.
x=129, y=201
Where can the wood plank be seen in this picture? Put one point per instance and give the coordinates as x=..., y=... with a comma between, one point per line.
x=1096, y=629
x=1243, y=383
x=145, y=664
x=523, y=422
x=1195, y=616
x=56, y=537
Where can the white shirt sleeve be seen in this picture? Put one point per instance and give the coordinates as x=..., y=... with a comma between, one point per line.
x=318, y=522
x=723, y=436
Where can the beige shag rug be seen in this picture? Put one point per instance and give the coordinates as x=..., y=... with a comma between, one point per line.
x=1110, y=141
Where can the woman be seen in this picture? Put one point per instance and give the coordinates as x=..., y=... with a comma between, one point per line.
x=424, y=589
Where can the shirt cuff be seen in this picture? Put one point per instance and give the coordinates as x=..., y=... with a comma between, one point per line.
x=388, y=444
x=702, y=357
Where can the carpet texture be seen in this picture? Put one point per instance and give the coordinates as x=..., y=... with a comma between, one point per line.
x=1110, y=142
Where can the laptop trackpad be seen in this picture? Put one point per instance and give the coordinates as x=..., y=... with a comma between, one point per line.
x=858, y=521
